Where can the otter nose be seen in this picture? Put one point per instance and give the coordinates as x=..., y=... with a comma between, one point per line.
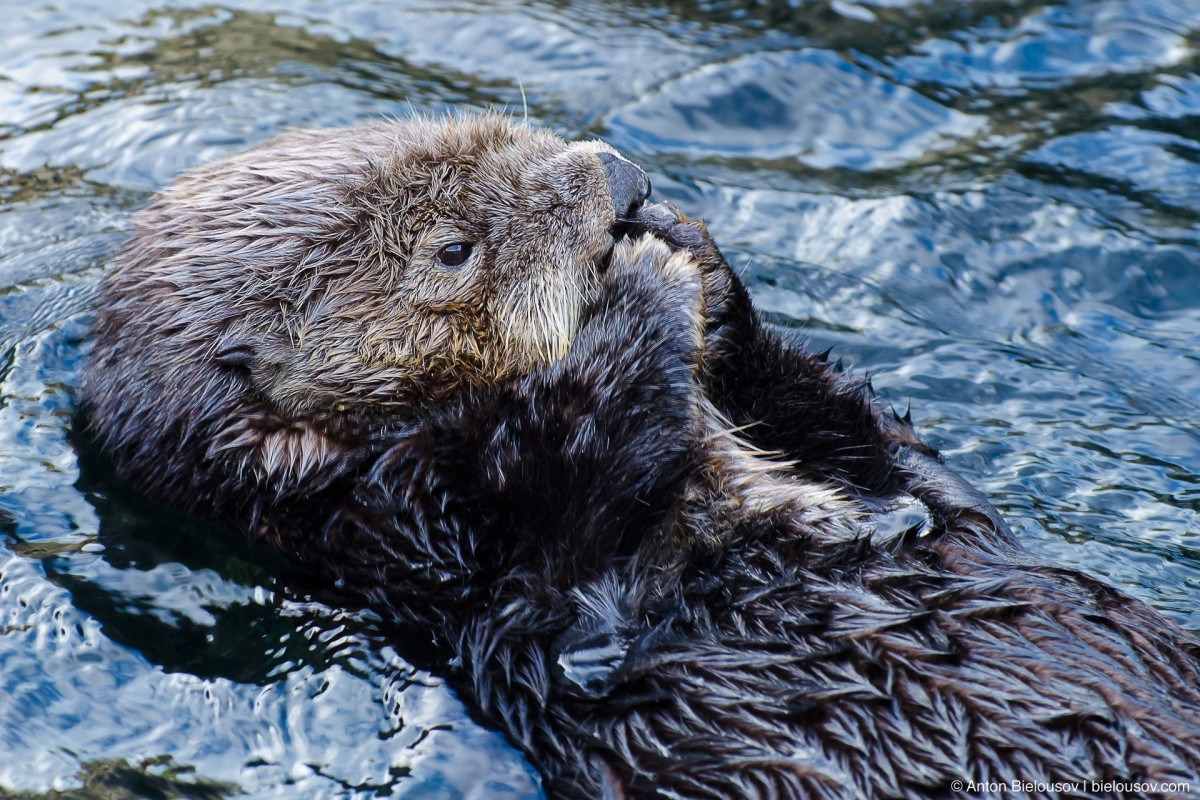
x=627, y=184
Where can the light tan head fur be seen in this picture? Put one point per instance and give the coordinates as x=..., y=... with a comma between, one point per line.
x=272, y=306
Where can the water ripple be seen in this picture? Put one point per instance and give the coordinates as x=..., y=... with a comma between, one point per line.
x=811, y=105
x=992, y=207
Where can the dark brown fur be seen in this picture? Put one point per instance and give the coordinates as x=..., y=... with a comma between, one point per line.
x=666, y=550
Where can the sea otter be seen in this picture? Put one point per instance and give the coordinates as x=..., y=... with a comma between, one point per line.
x=461, y=368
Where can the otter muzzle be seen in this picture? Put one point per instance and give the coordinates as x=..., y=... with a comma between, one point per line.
x=627, y=185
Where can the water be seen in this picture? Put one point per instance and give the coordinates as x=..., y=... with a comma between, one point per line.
x=992, y=207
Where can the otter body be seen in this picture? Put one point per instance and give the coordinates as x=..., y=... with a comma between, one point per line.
x=458, y=368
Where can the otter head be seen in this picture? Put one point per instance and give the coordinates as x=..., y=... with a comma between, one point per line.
x=275, y=308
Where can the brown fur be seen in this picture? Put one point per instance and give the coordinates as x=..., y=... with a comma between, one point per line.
x=669, y=552
x=308, y=261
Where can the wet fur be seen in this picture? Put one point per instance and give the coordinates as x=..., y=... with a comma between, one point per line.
x=275, y=310
x=666, y=550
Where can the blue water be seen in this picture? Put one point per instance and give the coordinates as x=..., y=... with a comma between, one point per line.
x=991, y=207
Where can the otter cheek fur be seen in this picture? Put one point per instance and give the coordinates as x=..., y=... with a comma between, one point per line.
x=665, y=549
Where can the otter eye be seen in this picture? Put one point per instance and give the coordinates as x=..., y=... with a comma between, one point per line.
x=454, y=255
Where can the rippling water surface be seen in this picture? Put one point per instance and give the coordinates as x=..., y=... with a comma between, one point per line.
x=992, y=207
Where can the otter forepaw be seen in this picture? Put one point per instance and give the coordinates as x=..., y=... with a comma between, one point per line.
x=674, y=276
x=683, y=235
x=646, y=252
x=666, y=222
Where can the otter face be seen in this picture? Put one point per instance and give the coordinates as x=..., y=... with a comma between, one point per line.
x=473, y=249
x=273, y=306
x=486, y=245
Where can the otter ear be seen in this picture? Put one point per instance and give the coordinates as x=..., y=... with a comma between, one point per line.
x=259, y=359
x=237, y=354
